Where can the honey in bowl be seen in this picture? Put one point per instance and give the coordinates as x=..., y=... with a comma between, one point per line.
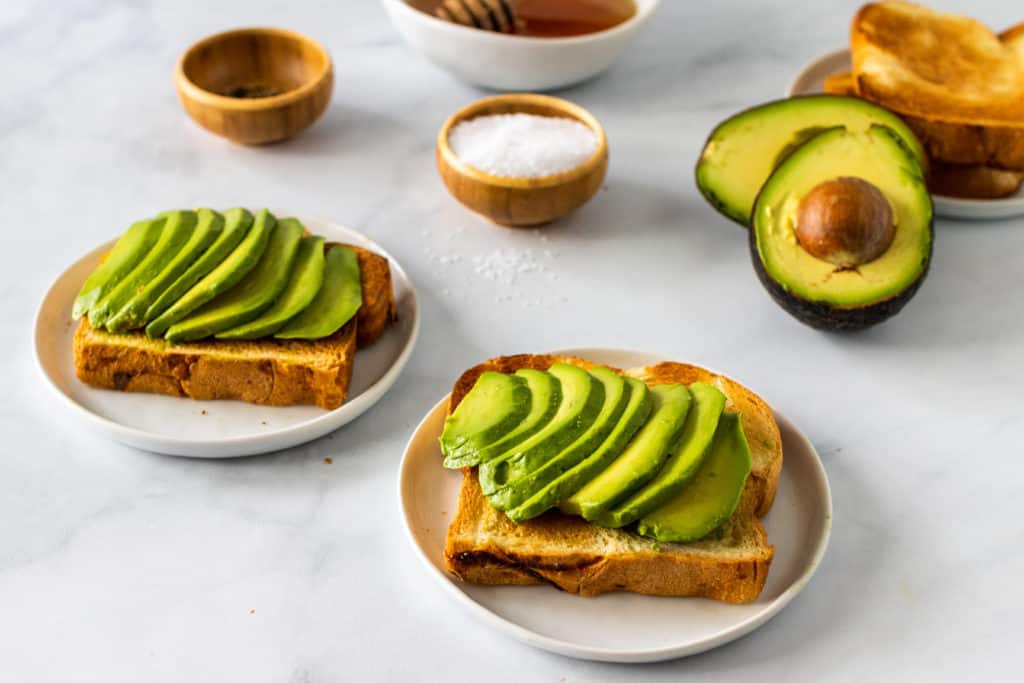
x=551, y=18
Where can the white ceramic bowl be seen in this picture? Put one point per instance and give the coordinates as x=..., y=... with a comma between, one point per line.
x=503, y=62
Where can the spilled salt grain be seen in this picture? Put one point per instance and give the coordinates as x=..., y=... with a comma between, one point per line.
x=522, y=145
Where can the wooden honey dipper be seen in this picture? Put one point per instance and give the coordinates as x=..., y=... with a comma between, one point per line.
x=489, y=15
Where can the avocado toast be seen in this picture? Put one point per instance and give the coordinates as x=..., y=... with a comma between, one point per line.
x=484, y=545
x=224, y=341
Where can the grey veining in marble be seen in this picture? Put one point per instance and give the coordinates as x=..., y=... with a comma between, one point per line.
x=117, y=565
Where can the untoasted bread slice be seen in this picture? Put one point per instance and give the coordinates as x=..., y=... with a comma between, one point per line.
x=265, y=371
x=959, y=86
x=485, y=546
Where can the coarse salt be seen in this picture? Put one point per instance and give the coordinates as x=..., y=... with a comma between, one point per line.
x=522, y=145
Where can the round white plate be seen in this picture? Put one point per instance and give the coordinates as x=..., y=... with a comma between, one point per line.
x=812, y=80
x=217, y=429
x=621, y=627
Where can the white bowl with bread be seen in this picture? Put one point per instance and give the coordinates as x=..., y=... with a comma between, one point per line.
x=512, y=62
x=959, y=87
x=254, y=384
x=625, y=593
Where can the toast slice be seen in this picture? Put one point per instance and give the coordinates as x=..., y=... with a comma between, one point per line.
x=484, y=546
x=274, y=372
x=959, y=86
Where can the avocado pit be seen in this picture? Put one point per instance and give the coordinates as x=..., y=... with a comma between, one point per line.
x=845, y=221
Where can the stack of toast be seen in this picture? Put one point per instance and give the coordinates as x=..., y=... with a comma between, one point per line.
x=731, y=564
x=958, y=85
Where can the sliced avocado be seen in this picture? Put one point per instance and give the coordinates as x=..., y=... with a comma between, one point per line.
x=684, y=461
x=638, y=409
x=335, y=304
x=173, y=235
x=743, y=151
x=890, y=203
x=582, y=398
x=223, y=277
x=545, y=397
x=524, y=483
x=126, y=254
x=204, y=232
x=495, y=405
x=306, y=280
x=641, y=460
x=254, y=293
x=235, y=223
x=711, y=498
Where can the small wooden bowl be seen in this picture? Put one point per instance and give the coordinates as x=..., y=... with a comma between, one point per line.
x=255, y=85
x=522, y=202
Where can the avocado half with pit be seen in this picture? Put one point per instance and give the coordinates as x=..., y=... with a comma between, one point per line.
x=742, y=151
x=842, y=230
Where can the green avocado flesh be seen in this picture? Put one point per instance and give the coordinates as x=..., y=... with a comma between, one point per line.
x=335, y=304
x=546, y=396
x=525, y=482
x=173, y=235
x=641, y=460
x=302, y=288
x=233, y=268
x=712, y=497
x=494, y=406
x=235, y=224
x=581, y=465
x=684, y=461
x=742, y=152
x=878, y=155
x=132, y=314
x=253, y=294
x=126, y=254
x=582, y=398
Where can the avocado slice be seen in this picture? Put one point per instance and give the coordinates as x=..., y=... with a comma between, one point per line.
x=742, y=151
x=126, y=254
x=545, y=397
x=306, y=280
x=253, y=294
x=890, y=183
x=582, y=398
x=638, y=409
x=235, y=223
x=642, y=459
x=524, y=483
x=683, y=463
x=204, y=232
x=335, y=304
x=714, y=494
x=495, y=405
x=224, y=276
x=173, y=235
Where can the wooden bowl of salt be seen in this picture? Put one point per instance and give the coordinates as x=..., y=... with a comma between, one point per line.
x=522, y=160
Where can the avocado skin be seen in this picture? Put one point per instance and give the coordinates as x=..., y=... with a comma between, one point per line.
x=821, y=316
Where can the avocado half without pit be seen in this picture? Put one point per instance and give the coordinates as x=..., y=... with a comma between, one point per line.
x=842, y=230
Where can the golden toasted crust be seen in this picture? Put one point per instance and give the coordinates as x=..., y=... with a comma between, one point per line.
x=484, y=546
x=840, y=84
x=266, y=371
x=973, y=182
x=378, y=309
x=959, y=86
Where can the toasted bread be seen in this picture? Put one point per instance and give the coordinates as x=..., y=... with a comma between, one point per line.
x=485, y=546
x=959, y=86
x=265, y=371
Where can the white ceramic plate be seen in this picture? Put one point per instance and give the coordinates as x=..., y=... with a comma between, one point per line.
x=812, y=80
x=217, y=429
x=621, y=627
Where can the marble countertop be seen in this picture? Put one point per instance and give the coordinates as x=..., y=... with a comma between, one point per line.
x=119, y=565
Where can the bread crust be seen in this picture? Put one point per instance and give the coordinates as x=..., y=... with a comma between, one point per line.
x=484, y=546
x=379, y=309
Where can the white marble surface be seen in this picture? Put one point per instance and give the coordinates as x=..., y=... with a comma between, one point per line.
x=117, y=565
